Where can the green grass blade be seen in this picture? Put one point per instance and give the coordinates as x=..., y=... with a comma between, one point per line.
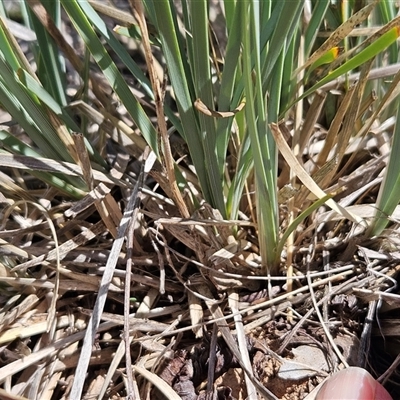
x=386, y=13
x=326, y=58
x=228, y=83
x=288, y=83
x=297, y=222
x=389, y=192
x=262, y=148
x=204, y=90
x=118, y=48
x=111, y=72
x=244, y=166
x=287, y=23
x=50, y=66
x=25, y=109
x=39, y=92
x=319, y=8
x=182, y=83
x=369, y=52
x=7, y=50
x=73, y=187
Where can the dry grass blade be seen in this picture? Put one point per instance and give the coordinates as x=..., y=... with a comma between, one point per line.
x=301, y=139
x=21, y=364
x=306, y=179
x=340, y=33
x=324, y=327
x=127, y=296
x=64, y=285
x=9, y=185
x=132, y=252
x=332, y=135
x=164, y=388
x=47, y=22
x=63, y=249
x=117, y=356
x=226, y=333
x=375, y=73
x=48, y=165
x=18, y=30
x=32, y=330
x=108, y=208
x=11, y=311
x=113, y=12
x=196, y=314
x=138, y=10
x=102, y=295
x=8, y=396
x=200, y=106
x=84, y=160
x=233, y=300
x=352, y=113
x=52, y=309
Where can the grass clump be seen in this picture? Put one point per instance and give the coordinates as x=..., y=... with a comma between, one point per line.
x=195, y=164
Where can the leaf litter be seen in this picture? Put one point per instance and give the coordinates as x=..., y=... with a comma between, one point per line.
x=199, y=318
x=180, y=296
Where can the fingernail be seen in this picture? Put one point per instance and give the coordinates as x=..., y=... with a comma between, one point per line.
x=352, y=383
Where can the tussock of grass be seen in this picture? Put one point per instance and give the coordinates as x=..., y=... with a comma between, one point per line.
x=170, y=282
x=126, y=280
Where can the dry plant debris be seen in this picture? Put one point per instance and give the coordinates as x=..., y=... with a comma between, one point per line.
x=190, y=281
x=187, y=313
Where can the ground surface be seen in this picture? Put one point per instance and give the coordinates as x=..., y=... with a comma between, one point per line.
x=189, y=283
